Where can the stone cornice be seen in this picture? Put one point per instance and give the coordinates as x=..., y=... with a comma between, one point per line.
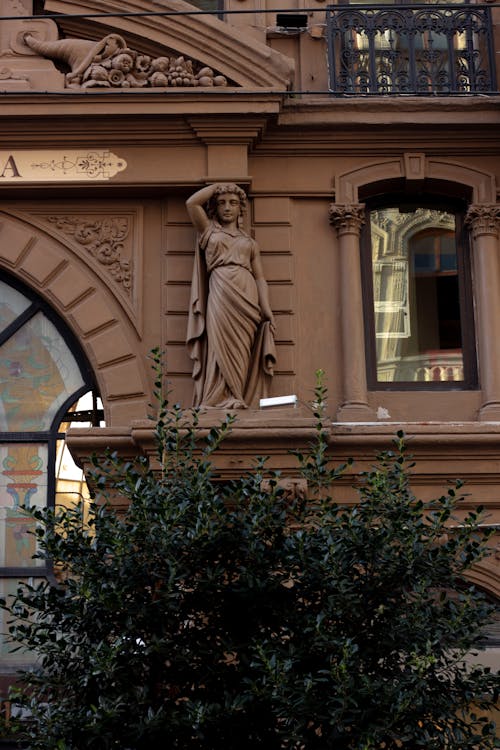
x=151, y=101
x=431, y=439
x=321, y=109
x=220, y=130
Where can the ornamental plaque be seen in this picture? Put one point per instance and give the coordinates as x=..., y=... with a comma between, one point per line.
x=59, y=165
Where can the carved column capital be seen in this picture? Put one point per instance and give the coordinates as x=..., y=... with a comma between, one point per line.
x=347, y=218
x=483, y=219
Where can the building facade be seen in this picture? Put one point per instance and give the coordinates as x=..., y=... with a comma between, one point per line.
x=367, y=139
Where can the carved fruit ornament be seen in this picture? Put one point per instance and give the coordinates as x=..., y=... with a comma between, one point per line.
x=109, y=63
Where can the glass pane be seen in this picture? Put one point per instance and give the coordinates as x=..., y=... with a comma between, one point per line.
x=35, y=360
x=23, y=481
x=424, y=254
x=71, y=486
x=11, y=661
x=212, y=5
x=447, y=254
x=12, y=304
x=416, y=296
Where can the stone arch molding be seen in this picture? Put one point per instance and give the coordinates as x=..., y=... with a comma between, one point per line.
x=77, y=294
x=415, y=167
x=202, y=43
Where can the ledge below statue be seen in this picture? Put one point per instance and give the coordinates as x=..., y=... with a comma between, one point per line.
x=442, y=451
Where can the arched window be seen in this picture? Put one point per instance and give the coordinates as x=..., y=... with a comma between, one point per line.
x=43, y=374
x=419, y=321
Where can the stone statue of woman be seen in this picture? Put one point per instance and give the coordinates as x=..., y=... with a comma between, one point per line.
x=231, y=326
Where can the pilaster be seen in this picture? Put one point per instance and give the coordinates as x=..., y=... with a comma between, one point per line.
x=483, y=221
x=227, y=144
x=348, y=220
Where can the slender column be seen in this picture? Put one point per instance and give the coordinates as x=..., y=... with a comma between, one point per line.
x=348, y=220
x=484, y=223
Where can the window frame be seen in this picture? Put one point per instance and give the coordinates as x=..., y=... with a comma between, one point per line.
x=49, y=437
x=464, y=274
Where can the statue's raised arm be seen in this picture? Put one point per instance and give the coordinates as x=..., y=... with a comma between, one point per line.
x=231, y=326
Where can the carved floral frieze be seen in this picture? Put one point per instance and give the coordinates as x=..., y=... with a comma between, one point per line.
x=110, y=63
x=103, y=239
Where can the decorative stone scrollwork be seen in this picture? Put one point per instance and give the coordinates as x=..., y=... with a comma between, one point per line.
x=109, y=63
x=483, y=219
x=104, y=240
x=347, y=218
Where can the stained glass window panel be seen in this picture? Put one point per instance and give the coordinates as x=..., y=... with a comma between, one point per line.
x=23, y=481
x=11, y=660
x=12, y=304
x=39, y=377
x=38, y=373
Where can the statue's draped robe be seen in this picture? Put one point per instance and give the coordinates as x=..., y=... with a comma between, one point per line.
x=232, y=348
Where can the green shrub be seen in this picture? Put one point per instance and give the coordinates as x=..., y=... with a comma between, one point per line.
x=217, y=615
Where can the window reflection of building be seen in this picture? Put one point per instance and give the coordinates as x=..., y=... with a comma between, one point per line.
x=417, y=269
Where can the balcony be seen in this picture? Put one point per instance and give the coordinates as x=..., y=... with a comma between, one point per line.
x=421, y=50
x=439, y=366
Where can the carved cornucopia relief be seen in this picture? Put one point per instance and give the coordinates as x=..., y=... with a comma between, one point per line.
x=104, y=239
x=110, y=63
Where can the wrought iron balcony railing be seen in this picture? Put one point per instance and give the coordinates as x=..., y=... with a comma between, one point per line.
x=410, y=49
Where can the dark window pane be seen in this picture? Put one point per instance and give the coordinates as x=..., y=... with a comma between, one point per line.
x=212, y=5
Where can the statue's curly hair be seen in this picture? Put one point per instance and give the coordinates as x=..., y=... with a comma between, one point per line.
x=228, y=187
